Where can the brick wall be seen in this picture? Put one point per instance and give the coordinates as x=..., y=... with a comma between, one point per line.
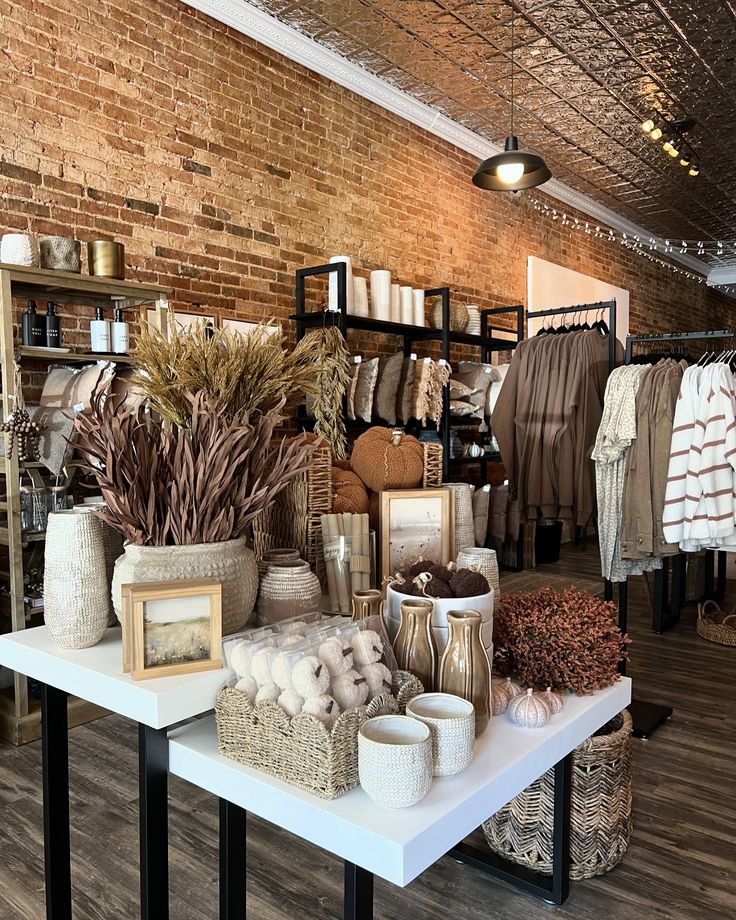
x=223, y=167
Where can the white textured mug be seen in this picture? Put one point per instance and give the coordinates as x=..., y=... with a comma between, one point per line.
x=395, y=760
x=451, y=722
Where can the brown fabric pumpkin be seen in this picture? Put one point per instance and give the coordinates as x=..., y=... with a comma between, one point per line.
x=374, y=510
x=348, y=493
x=342, y=465
x=386, y=458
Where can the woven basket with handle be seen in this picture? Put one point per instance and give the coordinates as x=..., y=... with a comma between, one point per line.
x=302, y=750
x=715, y=625
x=600, y=825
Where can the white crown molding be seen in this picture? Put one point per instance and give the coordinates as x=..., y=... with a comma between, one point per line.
x=247, y=19
x=722, y=274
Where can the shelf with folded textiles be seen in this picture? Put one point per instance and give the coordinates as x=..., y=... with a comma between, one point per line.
x=493, y=337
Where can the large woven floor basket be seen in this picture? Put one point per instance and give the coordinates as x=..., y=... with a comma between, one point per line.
x=302, y=751
x=600, y=826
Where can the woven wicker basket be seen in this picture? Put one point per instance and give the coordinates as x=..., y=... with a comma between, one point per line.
x=302, y=751
x=715, y=625
x=432, y=464
x=600, y=827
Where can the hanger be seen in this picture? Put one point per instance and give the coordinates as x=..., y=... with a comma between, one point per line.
x=601, y=324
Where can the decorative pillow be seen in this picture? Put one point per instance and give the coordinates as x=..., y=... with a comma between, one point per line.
x=364, y=389
x=499, y=375
x=351, y=389
x=405, y=390
x=459, y=390
x=55, y=445
x=389, y=376
x=422, y=390
x=460, y=407
x=123, y=391
x=479, y=378
x=70, y=388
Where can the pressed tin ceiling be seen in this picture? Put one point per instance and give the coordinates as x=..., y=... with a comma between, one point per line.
x=588, y=73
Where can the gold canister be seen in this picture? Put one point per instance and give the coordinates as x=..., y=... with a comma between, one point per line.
x=106, y=259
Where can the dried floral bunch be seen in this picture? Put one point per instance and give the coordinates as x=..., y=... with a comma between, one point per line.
x=244, y=375
x=333, y=362
x=166, y=485
x=569, y=641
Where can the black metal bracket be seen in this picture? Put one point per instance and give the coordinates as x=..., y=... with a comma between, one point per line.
x=56, y=830
x=153, y=773
x=553, y=888
x=358, y=896
x=232, y=861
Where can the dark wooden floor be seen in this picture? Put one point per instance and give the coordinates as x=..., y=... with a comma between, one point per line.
x=680, y=865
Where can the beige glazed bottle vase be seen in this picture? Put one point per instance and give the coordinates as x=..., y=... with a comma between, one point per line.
x=465, y=669
x=414, y=646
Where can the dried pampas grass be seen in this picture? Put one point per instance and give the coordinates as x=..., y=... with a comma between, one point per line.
x=166, y=485
x=243, y=375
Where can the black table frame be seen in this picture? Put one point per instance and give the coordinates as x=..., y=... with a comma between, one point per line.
x=358, y=882
x=153, y=774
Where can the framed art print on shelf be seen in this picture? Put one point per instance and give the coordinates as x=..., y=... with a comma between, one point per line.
x=415, y=523
x=171, y=627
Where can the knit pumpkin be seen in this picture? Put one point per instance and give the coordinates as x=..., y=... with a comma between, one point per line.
x=349, y=495
x=386, y=458
x=350, y=690
x=529, y=710
x=444, y=573
x=466, y=583
x=341, y=465
x=553, y=700
x=428, y=586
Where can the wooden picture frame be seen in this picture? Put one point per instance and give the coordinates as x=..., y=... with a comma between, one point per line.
x=185, y=617
x=424, y=517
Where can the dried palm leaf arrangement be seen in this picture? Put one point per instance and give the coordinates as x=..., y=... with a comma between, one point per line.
x=333, y=366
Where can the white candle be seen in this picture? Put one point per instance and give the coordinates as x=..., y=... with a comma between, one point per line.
x=395, y=303
x=381, y=294
x=360, y=296
x=332, y=289
x=407, y=305
x=418, y=308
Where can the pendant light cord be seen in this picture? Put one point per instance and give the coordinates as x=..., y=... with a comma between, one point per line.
x=513, y=17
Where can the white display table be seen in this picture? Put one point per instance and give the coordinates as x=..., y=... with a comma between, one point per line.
x=95, y=674
x=398, y=844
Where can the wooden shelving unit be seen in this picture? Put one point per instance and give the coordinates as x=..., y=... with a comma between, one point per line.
x=20, y=715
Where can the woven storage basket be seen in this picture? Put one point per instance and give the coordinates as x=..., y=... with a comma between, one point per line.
x=302, y=751
x=294, y=518
x=600, y=827
x=432, y=464
x=715, y=626
x=464, y=529
x=483, y=561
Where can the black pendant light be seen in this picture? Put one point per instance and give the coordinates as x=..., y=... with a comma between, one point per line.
x=513, y=169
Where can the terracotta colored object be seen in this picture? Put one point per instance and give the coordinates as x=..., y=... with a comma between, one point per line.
x=348, y=493
x=386, y=458
x=465, y=669
x=367, y=603
x=414, y=646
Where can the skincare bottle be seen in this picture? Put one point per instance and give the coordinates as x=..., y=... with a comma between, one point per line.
x=120, y=334
x=53, y=327
x=33, y=331
x=99, y=331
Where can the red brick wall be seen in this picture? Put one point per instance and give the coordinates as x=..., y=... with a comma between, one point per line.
x=223, y=167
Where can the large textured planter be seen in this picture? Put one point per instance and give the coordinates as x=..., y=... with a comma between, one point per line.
x=76, y=593
x=231, y=563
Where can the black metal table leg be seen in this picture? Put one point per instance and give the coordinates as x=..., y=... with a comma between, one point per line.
x=232, y=861
x=358, y=893
x=56, y=833
x=551, y=888
x=153, y=769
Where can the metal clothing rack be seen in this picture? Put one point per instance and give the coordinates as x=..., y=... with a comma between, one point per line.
x=601, y=305
x=647, y=717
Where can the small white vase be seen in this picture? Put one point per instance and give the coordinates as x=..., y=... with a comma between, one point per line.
x=360, y=296
x=332, y=288
x=381, y=295
x=20, y=249
x=75, y=588
x=230, y=562
x=418, y=297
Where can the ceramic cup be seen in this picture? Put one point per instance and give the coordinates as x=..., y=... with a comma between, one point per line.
x=451, y=723
x=395, y=760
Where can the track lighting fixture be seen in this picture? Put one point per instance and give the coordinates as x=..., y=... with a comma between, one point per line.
x=674, y=143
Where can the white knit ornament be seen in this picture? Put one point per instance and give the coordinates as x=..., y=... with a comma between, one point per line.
x=324, y=707
x=281, y=671
x=377, y=677
x=512, y=688
x=290, y=641
x=237, y=660
x=350, y=690
x=367, y=647
x=247, y=686
x=499, y=697
x=553, y=700
x=268, y=692
x=260, y=667
x=294, y=628
x=528, y=710
x=291, y=703
x=337, y=656
x=310, y=677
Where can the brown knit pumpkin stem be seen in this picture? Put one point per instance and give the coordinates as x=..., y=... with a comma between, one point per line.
x=396, y=437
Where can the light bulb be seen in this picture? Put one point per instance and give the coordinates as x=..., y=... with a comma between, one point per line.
x=694, y=170
x=509, y=173
x=656, y=134
x=647, y=126
x=684, y=160
x=667, y=146
x=673, y=151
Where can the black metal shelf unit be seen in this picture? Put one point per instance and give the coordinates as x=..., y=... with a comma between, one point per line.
x=487, y=342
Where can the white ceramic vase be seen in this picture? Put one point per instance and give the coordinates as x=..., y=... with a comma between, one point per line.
x=75, y=588
x=451, y=723
x=332, y=285
x=381, y=295
x=231, y=563
x=395, y=760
